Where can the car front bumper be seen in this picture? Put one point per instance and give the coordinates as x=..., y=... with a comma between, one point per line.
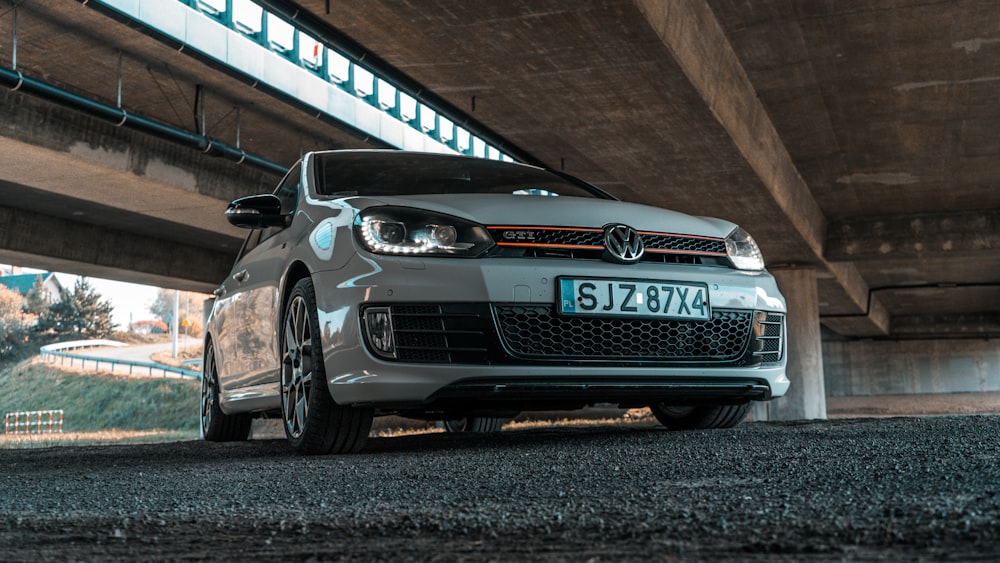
x=357, y=376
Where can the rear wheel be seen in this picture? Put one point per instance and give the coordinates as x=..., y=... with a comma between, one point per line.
x=313, y=423
x=692, y=418
x=472, y=424
x=217, y=426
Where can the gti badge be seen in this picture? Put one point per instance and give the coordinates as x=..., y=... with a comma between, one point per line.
x=622, y=244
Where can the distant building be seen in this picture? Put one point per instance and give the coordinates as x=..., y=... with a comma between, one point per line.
x=22, y=283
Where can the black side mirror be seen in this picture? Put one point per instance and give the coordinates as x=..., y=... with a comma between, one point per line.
x=256, y=212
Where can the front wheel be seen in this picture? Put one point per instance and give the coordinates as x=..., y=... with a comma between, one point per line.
x=314, y=424
x=471, y=424
x=694, y=418
x=217, y=426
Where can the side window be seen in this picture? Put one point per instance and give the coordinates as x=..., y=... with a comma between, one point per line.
x=288, y=189
x=288, y=192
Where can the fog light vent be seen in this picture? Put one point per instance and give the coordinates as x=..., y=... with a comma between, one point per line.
x=378, y=328
x=768, y=329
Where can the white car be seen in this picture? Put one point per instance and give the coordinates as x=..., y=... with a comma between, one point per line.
x=467, y=290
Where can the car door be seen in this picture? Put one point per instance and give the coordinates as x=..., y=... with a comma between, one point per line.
x=247, y=315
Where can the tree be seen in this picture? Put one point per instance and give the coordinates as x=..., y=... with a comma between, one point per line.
x=80, y=312
x=163, y=306
x=13, y=330
x=36, y=301
x=189, y=308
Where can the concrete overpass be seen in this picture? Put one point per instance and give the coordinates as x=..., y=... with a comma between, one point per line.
x=856, y=142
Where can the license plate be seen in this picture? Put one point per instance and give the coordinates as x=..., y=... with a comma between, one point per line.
x=633, y=298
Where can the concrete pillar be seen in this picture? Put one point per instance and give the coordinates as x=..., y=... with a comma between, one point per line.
x=807, y=396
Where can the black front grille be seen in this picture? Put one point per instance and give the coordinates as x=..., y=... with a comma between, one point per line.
x=579, y=239
x=681, y=244
x=570, y=237
x=587, y=254
x=533, y=331
x=548, y=236
x=480, y=333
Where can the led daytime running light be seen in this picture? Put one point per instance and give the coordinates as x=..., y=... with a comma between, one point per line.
x=369, y=226
x=407, y=231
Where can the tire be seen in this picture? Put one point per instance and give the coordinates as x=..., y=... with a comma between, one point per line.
x=217, y=426
x=698, y=418
x=314, y=423
x=472, y=424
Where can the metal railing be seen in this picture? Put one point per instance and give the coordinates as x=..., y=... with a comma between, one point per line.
x=54, y=352
x=291, y=57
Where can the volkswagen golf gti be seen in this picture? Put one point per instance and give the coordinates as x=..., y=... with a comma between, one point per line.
x=466, y=290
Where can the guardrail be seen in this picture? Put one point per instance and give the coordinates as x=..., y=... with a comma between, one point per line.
x=43, y=422
x=57, y=351
x=77, y=344
x=295, y=57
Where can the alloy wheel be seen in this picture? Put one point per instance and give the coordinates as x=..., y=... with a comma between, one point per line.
x=296, y=367
x=208, y=390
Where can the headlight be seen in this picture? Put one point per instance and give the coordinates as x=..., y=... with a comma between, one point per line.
x=403, y=230
x=743, y=251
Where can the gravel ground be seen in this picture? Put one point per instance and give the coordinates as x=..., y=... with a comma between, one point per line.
x=869, y=489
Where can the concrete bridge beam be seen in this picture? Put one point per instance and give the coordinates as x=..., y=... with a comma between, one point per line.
x=79, y=248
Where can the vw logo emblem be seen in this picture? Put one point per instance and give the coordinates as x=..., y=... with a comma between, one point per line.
x=623, y=244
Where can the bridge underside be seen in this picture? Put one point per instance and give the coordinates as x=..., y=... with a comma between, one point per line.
x=854, y=142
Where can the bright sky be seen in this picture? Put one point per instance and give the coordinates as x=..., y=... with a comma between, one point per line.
x=131, y=301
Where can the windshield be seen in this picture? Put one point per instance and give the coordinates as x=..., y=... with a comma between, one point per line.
x=384, y=173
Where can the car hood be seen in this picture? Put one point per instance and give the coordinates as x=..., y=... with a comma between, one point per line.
x=528, y=210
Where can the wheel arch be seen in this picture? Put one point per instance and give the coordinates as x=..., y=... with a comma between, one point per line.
x=208, y=346
x=296, y=271
x=207, y=343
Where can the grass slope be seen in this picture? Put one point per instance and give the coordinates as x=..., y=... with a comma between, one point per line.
x=99, y=401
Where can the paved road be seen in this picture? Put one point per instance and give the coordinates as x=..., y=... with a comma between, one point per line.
x=869, y=489
x=134, y=353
